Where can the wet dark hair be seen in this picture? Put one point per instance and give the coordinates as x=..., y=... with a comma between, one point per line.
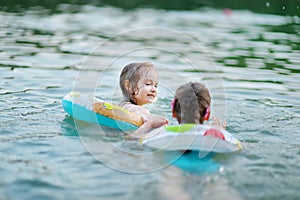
x=191, y=102
x=133, y=72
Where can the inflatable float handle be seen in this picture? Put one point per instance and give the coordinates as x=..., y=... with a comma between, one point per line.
x=109, y=106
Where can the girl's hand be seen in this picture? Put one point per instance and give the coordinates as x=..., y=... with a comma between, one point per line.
x=217, y=123
x=158, y=121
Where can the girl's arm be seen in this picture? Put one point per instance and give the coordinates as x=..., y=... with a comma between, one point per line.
x=143, y=131
x=149, y=121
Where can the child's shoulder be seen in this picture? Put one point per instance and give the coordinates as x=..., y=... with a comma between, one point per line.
x=140, y=110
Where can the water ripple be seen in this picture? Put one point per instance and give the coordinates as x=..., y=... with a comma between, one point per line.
x=24, y=136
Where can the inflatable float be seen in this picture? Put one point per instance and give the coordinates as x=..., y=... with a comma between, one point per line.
x=193, y=137
x=94, y=110
x=171, y=137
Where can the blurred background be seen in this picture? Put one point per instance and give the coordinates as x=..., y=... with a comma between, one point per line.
x=246, y=51
x=280, y=7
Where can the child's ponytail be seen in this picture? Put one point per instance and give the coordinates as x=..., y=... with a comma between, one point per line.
x=191, y=103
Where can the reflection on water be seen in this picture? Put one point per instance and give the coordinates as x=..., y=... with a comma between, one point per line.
x=249, y=61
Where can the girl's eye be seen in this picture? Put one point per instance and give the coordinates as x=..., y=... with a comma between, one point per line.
x=151, y=84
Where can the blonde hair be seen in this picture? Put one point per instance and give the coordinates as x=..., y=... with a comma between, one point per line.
x=191, y=102
x=133, y=72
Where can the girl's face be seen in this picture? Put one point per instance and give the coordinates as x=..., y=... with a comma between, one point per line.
x=147, y=88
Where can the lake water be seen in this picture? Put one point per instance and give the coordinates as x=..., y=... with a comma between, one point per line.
x=250, y=62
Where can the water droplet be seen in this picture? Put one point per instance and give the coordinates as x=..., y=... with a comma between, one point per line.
x=268, y=4
x=296, y=19
x=221, y=170
x=283, y=7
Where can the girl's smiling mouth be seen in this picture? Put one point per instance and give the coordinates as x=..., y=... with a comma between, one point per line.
x=151, y=95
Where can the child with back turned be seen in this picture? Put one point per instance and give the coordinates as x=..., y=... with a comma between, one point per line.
x=138, y=82
x=192, y=105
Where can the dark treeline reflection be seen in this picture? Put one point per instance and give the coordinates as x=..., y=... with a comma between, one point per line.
x=282, y=7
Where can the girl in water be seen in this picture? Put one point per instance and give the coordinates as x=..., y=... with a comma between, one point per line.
x=138, y=82
x=192, y=105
